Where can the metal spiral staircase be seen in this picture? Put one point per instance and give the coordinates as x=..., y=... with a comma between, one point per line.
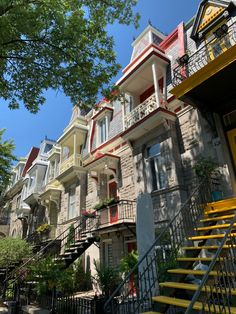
x=191, y=266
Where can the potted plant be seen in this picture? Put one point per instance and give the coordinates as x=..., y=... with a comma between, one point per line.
x=205, y=169
x=89, y=214
x=127, y=263
x=99, y=205
x=107, y=278
x=43, y=230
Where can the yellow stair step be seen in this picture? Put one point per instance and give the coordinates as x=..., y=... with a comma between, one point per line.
x=204, y=247
x=197, y=306
x=220, y=206
x=151, y=312
x=192, y=287
x=211, y=236
x=222, y=226
x=195, y=259
x=224, y=217
x=183, y=271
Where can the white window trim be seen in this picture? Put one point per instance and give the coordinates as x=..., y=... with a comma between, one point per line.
x=69, y=216
x=149, y=176
x=107, y=122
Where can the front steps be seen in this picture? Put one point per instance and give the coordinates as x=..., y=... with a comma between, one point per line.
x=177, y=291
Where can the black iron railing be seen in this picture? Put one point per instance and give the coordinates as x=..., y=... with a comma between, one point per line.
x=69, y=304
x=217, y=293
x=204, y=55
x=142, y=283
x=122, y=211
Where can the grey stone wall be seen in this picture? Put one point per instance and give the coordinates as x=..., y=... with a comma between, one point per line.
x=126, y=184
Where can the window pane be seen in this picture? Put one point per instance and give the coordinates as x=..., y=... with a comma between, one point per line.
x=153, y=150
x=153, y=174
x=102, y=126
x=72, y=208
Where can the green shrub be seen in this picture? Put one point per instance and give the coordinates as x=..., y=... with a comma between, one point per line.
x=49, y=275
x=82, y=279
x=128, y=262
x=13, y=250
x=107, y=278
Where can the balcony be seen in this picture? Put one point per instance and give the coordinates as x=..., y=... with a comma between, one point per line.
x=211, y=68
x=72, y=161
x=69, y=167
x=123, y=212
x=23, y=210
x=145, y=117
x=32, y=195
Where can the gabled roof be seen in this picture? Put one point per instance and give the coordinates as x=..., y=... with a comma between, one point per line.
x=31, y=157
x=209, y=11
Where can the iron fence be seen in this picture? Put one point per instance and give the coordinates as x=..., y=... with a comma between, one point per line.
x=68, y=304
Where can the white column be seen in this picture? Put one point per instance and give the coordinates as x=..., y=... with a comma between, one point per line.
x=75, y=154
x=107, y=128
x=164, y=85
x=36, y=179
x=156, y=85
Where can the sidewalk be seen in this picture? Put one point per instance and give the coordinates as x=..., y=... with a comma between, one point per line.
x=3, y=310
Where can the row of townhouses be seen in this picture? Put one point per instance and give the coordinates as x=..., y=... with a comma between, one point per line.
x=178, y=104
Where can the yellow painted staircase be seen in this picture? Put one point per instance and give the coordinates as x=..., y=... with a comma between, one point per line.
x=210, y=232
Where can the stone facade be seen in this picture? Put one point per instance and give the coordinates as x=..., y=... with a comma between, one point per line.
x=155, y=153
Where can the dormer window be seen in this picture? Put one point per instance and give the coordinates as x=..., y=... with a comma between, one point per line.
x=103, y=130
x=102, y=120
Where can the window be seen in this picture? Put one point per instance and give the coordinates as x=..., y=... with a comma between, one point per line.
x=72, y=203
x=156, y=168
x=128, y=105
x=107, y=253
x=103, y=130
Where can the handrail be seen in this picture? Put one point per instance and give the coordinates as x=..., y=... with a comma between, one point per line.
x=200, y=57
x=211, y=266
x=186, y=218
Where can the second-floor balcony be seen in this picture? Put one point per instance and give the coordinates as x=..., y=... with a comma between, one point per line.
x=209, y=69
x=69, y=167
x=146, y=116
x=71, y=161
x=124, y=212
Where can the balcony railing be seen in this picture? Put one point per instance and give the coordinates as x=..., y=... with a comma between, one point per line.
x=73, y=160
x=142, y=110
x=36, y=188
x=124, y=211
x=205, y=54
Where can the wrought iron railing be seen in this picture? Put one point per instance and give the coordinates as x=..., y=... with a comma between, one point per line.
x=215, y=293
x=143, y=110
x=204, y=55
x=142, y=283
x=122, y=211
x=69, y=304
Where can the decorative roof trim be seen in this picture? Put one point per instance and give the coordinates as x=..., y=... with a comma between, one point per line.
x=226, y=4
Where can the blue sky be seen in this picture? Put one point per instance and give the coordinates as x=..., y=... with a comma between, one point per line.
x=28, y=130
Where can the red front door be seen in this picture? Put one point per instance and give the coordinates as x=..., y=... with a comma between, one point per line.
x=113, y=208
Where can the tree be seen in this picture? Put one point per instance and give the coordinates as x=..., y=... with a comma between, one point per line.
x=58, y=44
x=13, y=250
x=6, y=159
